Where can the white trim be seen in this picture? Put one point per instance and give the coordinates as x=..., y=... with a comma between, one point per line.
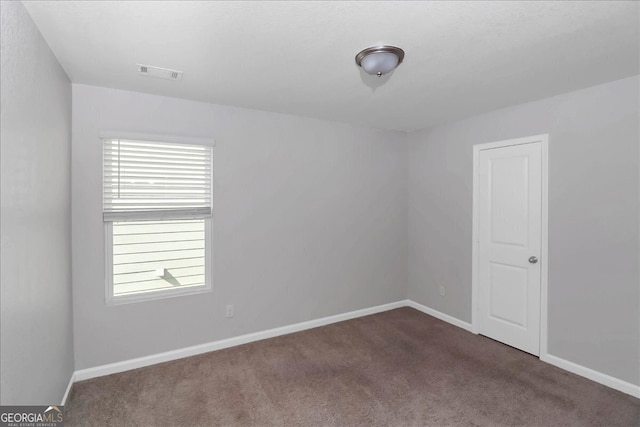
x=439, y=315
x=126, y=365
x=544, y=217
x=68, y=390
x=156, y=294
x=190, y=213
x=474, y=241
x=138, y=136
x=111, y=299
x=599, y=377
x=509, y=142
x=108, y=262
x=544, y=248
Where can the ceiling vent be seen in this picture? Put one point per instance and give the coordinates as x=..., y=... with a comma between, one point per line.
x=159, y=73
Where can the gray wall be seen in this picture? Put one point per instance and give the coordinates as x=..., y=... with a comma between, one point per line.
x=35, y=260
x=594, y=281
x=310, y=220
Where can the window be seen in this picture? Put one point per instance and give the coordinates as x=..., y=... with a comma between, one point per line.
x=157, y=207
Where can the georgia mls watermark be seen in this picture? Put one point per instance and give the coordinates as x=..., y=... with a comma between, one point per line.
x=32, y=416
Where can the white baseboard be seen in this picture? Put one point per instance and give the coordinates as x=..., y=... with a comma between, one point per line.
x=599, y=377
x=140, y=362
x=68, y=390
x=439, y=315
x=126, y=365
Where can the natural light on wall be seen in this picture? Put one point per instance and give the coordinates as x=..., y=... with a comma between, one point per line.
x=157, y=200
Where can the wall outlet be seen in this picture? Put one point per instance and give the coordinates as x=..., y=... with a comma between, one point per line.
x=442, y=292
x=229, y=312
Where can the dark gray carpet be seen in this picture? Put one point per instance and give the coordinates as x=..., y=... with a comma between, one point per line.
x=398, y=368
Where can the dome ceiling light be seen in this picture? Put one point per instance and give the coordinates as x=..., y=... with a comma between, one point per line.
x=380, y=60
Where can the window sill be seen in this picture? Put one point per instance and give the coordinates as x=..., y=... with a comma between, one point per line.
x=155, y=295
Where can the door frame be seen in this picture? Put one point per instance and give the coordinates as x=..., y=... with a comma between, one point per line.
x=543, y=139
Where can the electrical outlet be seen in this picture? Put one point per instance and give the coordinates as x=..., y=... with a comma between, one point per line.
x=229, y=312
x=442, y=291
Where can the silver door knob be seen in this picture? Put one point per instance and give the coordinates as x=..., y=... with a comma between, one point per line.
x=533, y=259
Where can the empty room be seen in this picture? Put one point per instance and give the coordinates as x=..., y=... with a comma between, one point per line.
x=320, y=213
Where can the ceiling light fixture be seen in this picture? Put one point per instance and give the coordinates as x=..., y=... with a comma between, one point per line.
x=380, y=60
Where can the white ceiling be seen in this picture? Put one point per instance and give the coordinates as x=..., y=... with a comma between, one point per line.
x=462, y=57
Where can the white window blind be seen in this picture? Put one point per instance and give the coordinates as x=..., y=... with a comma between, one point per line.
x=146, y=180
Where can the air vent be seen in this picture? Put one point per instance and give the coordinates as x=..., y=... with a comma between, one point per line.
x=159, y=73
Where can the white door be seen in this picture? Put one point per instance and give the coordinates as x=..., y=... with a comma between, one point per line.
x=509, y=244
